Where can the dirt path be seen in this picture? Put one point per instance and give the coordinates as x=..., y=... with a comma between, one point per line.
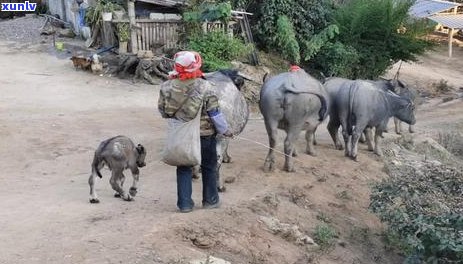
x=53, y=117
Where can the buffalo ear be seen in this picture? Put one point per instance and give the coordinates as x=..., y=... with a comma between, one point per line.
x=239, y=82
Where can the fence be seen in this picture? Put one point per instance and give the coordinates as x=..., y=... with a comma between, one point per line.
x=153, y=34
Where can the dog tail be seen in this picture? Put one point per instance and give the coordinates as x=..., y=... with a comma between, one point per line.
x=95, y=164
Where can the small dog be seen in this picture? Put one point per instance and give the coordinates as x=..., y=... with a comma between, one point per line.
x=118, y=153
x=83, y=63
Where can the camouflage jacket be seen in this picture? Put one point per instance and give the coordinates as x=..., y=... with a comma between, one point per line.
x=181, y=100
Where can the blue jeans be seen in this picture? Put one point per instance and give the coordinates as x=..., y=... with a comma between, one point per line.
x=209, y=176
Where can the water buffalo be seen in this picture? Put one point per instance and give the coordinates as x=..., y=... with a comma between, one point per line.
x=360, y=105
x=334, y=84
x=404, y=90
x=118, y=153
x=292, y=101
x=227, y=84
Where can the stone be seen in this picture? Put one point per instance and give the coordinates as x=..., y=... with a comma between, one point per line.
x=210, y=260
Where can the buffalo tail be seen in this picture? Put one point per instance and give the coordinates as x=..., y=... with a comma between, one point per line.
x=351, y=118
x=323, y=109
x=95, y=163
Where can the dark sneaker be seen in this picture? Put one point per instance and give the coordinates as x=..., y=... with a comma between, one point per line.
x=185, y=210
x=211, y=206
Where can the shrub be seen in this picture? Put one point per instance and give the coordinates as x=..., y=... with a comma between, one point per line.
x=337, y=59
x=93, y=14
x=442, y=87
x=423, y=207
x=123, y=31
x=306, y=18
x=217, y=49
x=452, y=141
x=324, y=235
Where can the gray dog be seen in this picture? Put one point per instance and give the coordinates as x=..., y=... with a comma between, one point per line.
x=118, y=153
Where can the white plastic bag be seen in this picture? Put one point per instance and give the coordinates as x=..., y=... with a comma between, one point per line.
x=183, y=144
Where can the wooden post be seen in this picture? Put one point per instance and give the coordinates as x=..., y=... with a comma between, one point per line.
x=133, y=25
x=63, y=9
x=204, y=27
x=451, y=31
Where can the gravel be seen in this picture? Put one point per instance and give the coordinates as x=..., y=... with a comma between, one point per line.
x=25, y=30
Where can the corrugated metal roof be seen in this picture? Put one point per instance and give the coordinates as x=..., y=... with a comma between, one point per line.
x=169, y=3
x=426, y=8
x=450, y=21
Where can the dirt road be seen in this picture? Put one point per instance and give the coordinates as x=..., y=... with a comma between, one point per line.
x=52, y=117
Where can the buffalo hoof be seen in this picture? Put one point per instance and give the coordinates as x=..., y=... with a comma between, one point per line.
x=398, y=132
x=315, y=142
x=379, y=153
x=94, y=200
x=128, y=198
x=221, y=188
x=133, y=191
x=269, y=166
x=354, y=158
x=117, y=195
x=411, y=130
x=311, y=153
x=290, y=169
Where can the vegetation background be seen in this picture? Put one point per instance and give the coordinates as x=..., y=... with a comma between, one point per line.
x=356, y=39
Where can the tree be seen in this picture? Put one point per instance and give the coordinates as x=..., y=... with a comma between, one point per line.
x=380, y=32
x=304, y=19
x=286, y=38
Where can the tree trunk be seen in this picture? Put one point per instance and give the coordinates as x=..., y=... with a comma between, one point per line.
x=133, y=26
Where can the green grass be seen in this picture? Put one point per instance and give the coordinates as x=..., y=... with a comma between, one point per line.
x=325, y=236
